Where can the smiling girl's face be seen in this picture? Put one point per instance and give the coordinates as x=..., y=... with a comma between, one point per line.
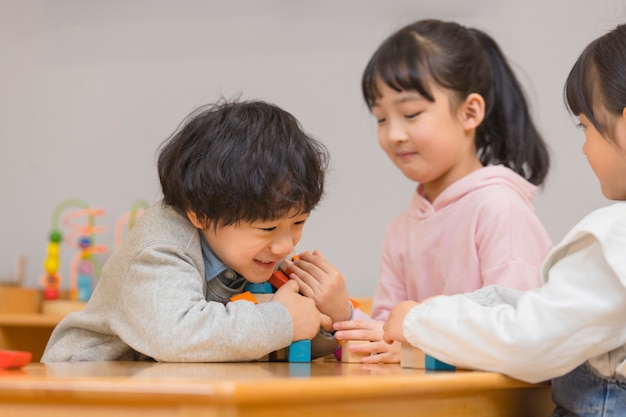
x=254, y=249
x=431, y=142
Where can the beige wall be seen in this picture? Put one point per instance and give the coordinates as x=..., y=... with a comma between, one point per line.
x=88, y=90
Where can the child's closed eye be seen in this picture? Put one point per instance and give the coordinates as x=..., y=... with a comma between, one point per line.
x=413, y=115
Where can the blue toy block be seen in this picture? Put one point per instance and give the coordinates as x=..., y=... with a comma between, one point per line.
x=299, y=351
x=259, y=288
x=436, y=365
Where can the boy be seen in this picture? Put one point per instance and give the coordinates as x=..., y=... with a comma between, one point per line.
x=239, y=180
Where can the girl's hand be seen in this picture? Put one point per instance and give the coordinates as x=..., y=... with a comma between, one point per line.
x=392, y=329
x=323, y=283
x=372, y=331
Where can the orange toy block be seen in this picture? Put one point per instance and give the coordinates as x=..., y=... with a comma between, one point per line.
x=247, y=296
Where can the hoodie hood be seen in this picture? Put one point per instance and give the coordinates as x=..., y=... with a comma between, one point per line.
x=489, y=176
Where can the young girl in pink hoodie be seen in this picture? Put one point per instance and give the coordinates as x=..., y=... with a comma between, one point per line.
x=453, y=118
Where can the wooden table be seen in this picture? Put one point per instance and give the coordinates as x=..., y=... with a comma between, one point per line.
x=318, y=389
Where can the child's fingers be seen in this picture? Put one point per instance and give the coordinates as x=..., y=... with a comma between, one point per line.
x=304, y=288
x=289, y=286
x=354, y=324
x=313, y=262
x=360, y=334
x=326, y=323
x=387, y=334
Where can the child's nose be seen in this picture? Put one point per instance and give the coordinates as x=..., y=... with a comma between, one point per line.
x=395, y=132
x=283, y=245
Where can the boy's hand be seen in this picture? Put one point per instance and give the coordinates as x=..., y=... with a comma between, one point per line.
x=371, y=330
x=392, y=329
x=323, y=283
x=306, y=318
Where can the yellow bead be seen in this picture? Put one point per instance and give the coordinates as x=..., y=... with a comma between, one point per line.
x=51, y=265
x=53, y=250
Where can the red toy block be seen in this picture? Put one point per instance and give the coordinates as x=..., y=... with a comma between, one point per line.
x=278, y=279
x=14, y=359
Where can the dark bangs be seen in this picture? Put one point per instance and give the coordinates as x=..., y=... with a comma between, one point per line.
x=242, y=161
x=400, y=63
x=579, y=92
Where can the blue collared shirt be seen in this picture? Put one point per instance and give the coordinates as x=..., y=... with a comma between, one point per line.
x=214, y=267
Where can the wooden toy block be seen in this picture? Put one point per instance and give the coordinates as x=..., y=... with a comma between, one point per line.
x=245, y=296
x=411, y=357
x=433, y=364
x=264, y=298
x=352, y=357
x=299, y=351
x=259, y=288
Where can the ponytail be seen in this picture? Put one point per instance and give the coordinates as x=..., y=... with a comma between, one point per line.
x=508, y=135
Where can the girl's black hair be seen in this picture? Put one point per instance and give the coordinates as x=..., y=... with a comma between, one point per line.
x=464, y=61
x=596, y=84
x=242, y=161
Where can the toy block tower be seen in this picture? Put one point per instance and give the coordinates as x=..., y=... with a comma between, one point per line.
x=299, y=351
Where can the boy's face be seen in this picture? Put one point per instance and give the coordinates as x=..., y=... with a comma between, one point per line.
x=254, y=249
x=607, y=158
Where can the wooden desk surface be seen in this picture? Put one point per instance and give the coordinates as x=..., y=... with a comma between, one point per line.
x=318, y=389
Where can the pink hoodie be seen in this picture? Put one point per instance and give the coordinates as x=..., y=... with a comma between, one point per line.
x=481, y=230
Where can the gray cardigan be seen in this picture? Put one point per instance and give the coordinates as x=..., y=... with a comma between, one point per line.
x=151, y=303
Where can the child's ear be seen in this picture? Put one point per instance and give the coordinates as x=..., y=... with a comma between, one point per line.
x=473, y=111
x=193, y=218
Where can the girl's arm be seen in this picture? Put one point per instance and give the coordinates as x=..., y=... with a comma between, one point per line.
x=390, y=291
x=577, y=315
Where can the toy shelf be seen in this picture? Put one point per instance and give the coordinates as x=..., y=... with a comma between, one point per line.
x=29, y=332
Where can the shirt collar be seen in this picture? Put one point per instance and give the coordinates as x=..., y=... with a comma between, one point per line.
x=213, y=266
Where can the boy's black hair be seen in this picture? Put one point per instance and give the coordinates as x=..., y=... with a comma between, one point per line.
x=596, y=84
x=236, y=161
x=464, y=61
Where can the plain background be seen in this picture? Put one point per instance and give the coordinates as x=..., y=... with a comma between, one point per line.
x=90, y=89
